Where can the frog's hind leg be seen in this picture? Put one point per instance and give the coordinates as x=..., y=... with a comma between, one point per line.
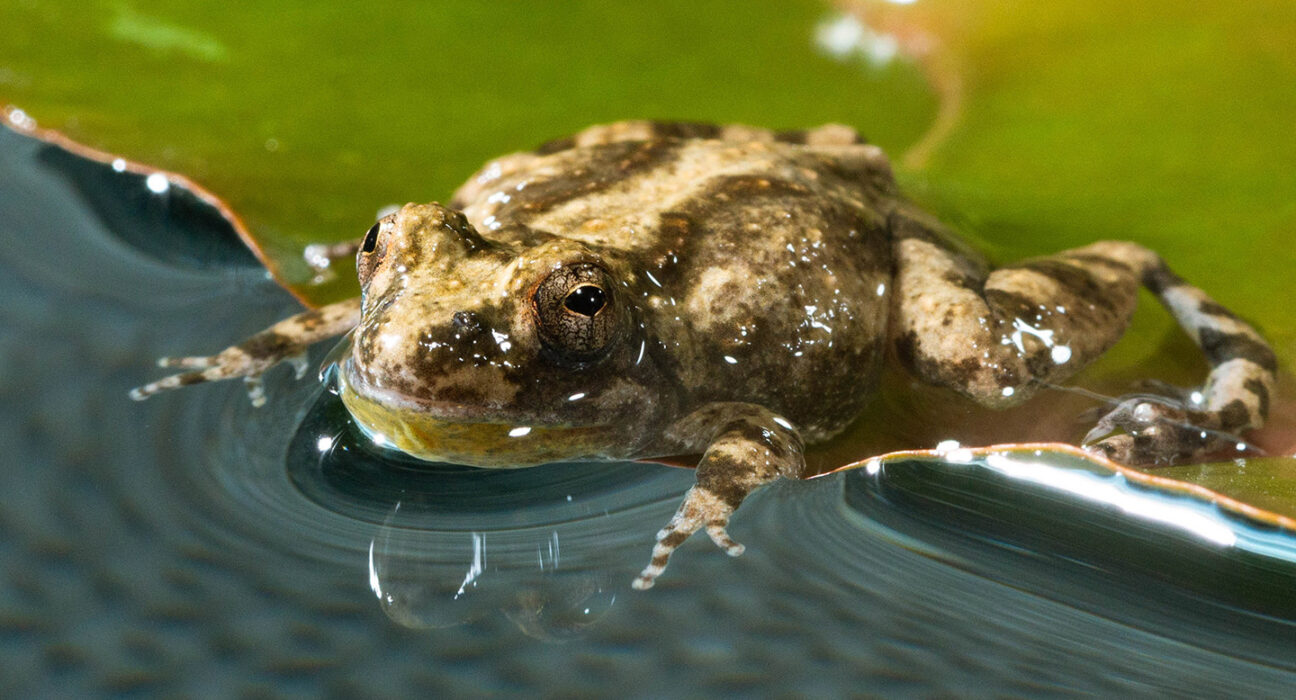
x=997, y=336
x=1234, y=398
x=284, y=341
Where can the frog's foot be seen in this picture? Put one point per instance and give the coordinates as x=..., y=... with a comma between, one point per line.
x=700, y=508
x=232, y=362
x=1160, y=431
x=285, y=341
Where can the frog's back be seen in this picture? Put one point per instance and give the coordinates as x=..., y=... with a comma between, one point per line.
x=760, y=259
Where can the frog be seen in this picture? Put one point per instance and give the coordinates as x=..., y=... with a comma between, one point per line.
x=645, y=289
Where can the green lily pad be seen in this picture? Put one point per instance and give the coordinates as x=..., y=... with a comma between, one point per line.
x=1268, y=483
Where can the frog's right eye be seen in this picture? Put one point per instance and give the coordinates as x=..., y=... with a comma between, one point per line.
x=577, y=313
x=370, y=255
x=371, y=238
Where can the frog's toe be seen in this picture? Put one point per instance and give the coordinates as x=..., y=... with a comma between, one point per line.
x=229, y=364
x=700, y=509
x=256, y=390
x=176, y=381
x=300, y=364
x=716, y=530
x=1150, y=430
x=1132, y=415
x=202, y=362
x=1117, y=448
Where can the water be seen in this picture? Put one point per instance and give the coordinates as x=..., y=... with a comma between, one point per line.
x=194, y=545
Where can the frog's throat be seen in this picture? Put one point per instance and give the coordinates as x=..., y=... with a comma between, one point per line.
x=421, y=434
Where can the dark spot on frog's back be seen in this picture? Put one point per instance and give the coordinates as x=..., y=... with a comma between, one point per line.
x=736, y=186
x=963, y=279
x=601, y=167
x=686, y=130
x=556, y=145
x=798, y=136
x=1011, y=306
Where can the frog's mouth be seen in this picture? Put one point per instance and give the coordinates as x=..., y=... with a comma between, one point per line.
x=447, y=432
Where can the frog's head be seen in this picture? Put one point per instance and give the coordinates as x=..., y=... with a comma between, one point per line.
x=495, y=353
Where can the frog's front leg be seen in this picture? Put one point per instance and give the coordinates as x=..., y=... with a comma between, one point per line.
x=746, y=446
x=286, y=340
x=997, y=336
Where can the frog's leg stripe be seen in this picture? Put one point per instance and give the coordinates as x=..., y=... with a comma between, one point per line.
x=1243, y=367
x=284, y=341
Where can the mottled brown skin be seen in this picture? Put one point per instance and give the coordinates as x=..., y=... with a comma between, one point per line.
x=643, y=290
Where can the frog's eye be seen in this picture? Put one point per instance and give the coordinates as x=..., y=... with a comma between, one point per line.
x=576, y=313
x=371, y=239
x=586, y=300
x=368, y=257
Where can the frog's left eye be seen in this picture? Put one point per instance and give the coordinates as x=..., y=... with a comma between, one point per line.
x=576, y=312
x=371, y=238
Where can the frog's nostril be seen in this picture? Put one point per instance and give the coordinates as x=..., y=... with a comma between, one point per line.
x=466, y=322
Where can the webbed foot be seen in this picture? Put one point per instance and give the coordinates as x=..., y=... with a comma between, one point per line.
x=1147, y=430
x=286, y=341
x=230, y=363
